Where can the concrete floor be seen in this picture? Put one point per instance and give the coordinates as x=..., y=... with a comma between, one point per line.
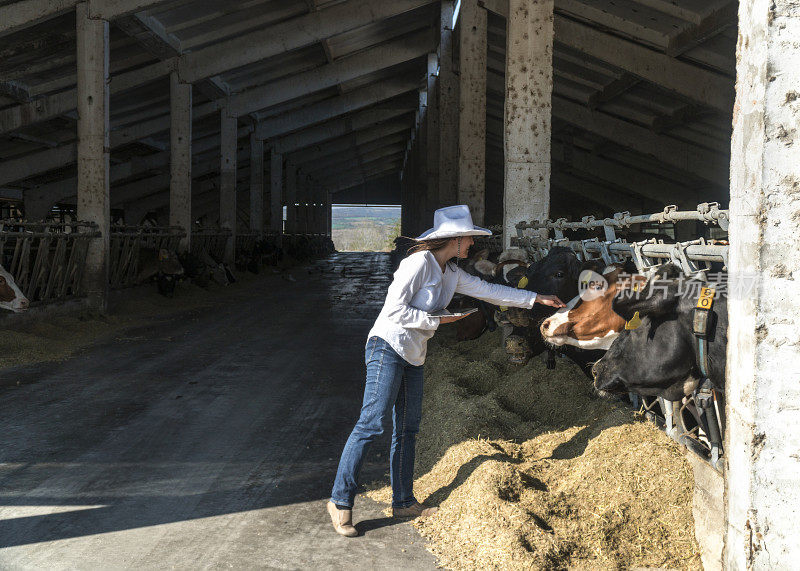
x=205, y=441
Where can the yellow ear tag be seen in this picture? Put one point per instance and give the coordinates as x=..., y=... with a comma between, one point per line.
x=634, y=322
x=523, y=282
x=503, y=308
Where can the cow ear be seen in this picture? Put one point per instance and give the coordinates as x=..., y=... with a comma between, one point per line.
x=515, y=275
x=481, y=255
x=656, y=302
x=485, y=267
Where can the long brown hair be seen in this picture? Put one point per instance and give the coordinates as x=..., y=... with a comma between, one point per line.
x=432, y=245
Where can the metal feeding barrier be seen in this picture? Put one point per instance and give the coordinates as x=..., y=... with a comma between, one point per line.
x=683, y=420
x=126, y=244
x=493, y=243
x=46, y=259
x=212, y=241
x=246, y=242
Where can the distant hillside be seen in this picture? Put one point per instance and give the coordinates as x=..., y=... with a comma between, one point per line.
x=365, y=228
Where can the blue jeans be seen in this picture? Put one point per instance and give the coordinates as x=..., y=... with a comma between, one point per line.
x=393, y=388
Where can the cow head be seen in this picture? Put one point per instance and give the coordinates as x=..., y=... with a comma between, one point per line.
x=11, y=297
x=608, y=373
x=655, y=359
x=589, y=322
x=168, y=263
x=656, y=295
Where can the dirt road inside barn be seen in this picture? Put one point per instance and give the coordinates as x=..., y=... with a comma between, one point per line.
x=204, y=441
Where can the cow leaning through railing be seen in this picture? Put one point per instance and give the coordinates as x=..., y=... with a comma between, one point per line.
x=676, y=347
x=557, y=274
x=11, y=298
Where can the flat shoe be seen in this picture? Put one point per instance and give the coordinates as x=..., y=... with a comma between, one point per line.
x=414, y=510
x=342, y=520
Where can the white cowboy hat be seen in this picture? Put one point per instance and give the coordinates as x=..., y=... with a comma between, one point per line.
x=451, y=222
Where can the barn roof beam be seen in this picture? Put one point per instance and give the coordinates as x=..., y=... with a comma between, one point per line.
x=342, y=149
x=361, y=160
x=690, y=158
x=224, y=56
x=60, y=189
x=638, y=24
x=352, y=67
x=153, y=37
x=133, y=191
x=695, y=83
x=615, y=88
x=43, y=161
x=634, y=180
x=717, y=16
x=380, y=166
x=295, y=33
x=22, y=14
x=330, y=108
x=347, y=183
x=591, y=189
x=344, y=126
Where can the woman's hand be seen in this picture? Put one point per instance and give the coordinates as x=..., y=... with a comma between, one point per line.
x=550, y=300
x=451, y=318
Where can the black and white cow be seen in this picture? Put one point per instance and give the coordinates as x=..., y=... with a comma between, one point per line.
x=661, y=356
x=555, y=274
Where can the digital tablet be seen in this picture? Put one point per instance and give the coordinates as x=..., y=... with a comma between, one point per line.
x=459, y=313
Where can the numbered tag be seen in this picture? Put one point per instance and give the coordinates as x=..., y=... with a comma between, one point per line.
x=706, y=298
x=523, y=282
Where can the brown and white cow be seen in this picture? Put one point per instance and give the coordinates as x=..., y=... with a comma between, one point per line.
x=11, y=297
x=588, y=321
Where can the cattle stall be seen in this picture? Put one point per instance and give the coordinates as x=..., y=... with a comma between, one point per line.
x=682, y=420
x=231, y=127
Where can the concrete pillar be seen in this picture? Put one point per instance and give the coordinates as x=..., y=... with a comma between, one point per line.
x=256, y=184
x=763, y=386
x=329, y=213
x=421, y=181
x=180, y=137
x=472, y=105
x=227, y=180
x=405, y=194
x=276, y=192
x=93, y=149
x=302, y=201
x=291, y=198
x=432, y=138
x=319, y=209
x=528, y=111
x=448, y=109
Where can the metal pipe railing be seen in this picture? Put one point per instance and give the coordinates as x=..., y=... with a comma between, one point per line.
x=645, y=253
x=46, y=259
x=126, y=243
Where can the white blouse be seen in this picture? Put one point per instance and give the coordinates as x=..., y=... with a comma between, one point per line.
x=420, y=287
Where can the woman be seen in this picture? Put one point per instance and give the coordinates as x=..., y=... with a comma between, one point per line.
x=395, y=352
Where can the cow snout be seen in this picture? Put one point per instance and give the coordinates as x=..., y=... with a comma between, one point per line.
x=556, y=327
x=20, y=304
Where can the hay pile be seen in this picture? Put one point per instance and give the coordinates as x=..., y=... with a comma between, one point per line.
x=531, y=471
